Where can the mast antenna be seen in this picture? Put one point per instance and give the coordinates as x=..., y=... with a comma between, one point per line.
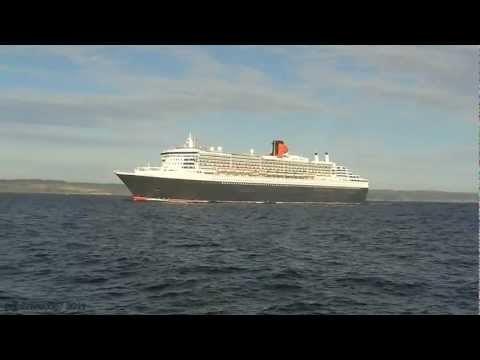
x=189, y=142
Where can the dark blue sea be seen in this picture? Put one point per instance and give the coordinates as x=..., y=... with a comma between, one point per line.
x=79, y=254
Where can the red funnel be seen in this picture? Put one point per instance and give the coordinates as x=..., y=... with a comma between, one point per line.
x=282, y=150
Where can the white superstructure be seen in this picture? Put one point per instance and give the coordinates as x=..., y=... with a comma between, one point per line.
x=194, y=162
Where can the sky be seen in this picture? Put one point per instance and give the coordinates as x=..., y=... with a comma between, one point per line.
x=405, y=117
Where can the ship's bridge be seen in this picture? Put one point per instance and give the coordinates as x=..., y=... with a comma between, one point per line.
x=179, y=159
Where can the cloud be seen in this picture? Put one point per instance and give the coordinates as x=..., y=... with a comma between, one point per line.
x=147, y=108
x=424, y=75
x=444, y=76
x=165, y=99
x=208, y=86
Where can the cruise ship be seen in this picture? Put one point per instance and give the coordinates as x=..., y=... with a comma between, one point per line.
x=194, y=173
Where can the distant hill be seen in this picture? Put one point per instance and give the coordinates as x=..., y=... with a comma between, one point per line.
x=64, y=187
x=61, y=187
x=420, y=195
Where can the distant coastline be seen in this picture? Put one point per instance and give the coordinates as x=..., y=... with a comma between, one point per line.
x=84, y=188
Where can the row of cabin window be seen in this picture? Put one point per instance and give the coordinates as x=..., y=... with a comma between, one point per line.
x=263, y=164
x=309, y=171
x=246, y=159
x=265, y=171
x=272, y=174
x=270, y=166
x=304, y=170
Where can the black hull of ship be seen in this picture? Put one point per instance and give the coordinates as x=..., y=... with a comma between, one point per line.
x=195, y=190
